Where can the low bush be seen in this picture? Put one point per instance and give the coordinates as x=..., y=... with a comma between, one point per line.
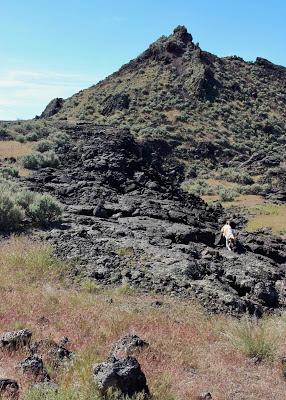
x=43, y=145
x=38, y=160
x=33, y=161
x=11, y=214
x=17, y=205
x=44, y=209
x=20, y=138
x=7, y=172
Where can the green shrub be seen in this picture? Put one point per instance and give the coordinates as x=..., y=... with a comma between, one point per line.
x=33, y=161
x=11, y=215
x=24, y=198
x=7, y=172
x=43, y=145
x=50, y=159
x=59, y=138
x=32, y=137
x=44, y=209
x=38, y=160
x=227, y=194
x=20, y=138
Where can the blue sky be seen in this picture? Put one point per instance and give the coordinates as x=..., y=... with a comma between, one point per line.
x=53, y=48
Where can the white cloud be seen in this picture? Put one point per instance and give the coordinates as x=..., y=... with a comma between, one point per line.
x=24, y=92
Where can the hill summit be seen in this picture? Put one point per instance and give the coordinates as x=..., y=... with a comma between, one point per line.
x=220, y=111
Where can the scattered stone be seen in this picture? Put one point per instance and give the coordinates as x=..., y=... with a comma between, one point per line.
x=124, y=375
x=205, y=396
x=55, y=353
x=15, y=340
x=9, y=389
x=34, y=367
x=128, y=345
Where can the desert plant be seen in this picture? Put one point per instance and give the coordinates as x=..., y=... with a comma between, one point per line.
x=251, y=337
x=11, y=215
x=7, y=172
x=33, y=161
x=43, y=145
x=44, y=209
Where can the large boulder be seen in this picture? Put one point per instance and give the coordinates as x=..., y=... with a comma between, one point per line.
x=124, y=375
x=15, y=340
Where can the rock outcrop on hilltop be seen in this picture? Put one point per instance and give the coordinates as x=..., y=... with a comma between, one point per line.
x=127, y=221
x=174, y=90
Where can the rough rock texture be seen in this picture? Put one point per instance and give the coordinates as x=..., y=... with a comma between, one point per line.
x=55, y=353
x=52, y=108
x=127, y=221
x=224, y=111
x=16, y=339
x=34, y=367
x=9, y=389
x=128, y=345
x=124, y=375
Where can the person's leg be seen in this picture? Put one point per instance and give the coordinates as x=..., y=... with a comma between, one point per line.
x=227, y=244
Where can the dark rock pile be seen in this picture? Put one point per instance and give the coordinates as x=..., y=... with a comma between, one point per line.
x=127, y=222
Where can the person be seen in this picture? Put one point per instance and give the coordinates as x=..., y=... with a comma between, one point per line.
x=228, y=234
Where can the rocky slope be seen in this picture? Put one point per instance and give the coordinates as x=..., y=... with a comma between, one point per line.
x=221, y=111
x=127, y=221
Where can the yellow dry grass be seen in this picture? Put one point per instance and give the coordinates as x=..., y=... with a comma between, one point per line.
x=271, y=216
x=11, y=148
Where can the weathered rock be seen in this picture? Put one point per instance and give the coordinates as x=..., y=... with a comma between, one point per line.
x=168, y=234
x=34, y=367
x=15, y=340
x=124, y=375
x=52, y=108
x=205, y=396
x=128, y=345
x=54, y=353
x=117, y=102
x=9, y=389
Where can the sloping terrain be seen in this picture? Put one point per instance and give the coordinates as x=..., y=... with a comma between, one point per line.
x=221, y=111
x=127, y=221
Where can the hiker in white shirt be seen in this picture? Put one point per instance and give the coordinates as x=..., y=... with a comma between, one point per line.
x=228, y=234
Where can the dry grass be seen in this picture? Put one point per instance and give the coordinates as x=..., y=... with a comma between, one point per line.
x=190, y=352
x=11, y=148
x=271, y=216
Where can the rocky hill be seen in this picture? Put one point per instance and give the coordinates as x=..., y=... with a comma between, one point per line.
x=221, y=111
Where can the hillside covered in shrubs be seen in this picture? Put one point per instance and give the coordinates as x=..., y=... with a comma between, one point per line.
x=217, y=111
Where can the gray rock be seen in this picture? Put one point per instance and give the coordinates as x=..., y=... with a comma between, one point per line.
x=128, y=345
x=34, y=367
x=15, y=340
x=124, y=375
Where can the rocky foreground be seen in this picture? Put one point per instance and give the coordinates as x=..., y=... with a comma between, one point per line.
x=127, y=221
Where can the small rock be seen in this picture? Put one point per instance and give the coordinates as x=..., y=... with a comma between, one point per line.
x=9, y=388
x=15, y=340
x=34, y=367
x=128, y=345
x=205, y=396
x=124, y=375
